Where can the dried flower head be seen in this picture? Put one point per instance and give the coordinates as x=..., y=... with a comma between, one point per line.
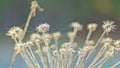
x=71, y=35
x=76, y=25
x=35, y=37
x=92, y=26
x=28, y=44
x=19, y=47
x=108, y=26
x=110, y=52
x=43, y=27
x=107, y=40
x=117, y=44
x=62, y=51
x=90, y=43
x=15, y=32
x=56, y=35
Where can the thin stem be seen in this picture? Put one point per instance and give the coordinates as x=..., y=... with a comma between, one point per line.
x=103, y=62
x=27, y=61
x=27, y=24
x=40, y=54
x=32, y=55
x=98, y=56
x=78, y=61
x=99, y=62
x=88, y=36
x=96, y=45
x=13, y=59
x=116, y=64
x=42, y=60
x=57, y=57
x=70, y=60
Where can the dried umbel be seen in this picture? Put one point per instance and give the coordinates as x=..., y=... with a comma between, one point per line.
x=15, y=32
x=53, y=54
x=43, y=27
x=92, y=26
x=108, y=26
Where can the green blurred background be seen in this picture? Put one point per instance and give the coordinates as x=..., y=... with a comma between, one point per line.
x=59, y=14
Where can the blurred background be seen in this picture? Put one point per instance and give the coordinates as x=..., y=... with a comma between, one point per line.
x=59, y=14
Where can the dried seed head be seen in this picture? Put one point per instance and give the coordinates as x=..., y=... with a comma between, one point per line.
x=62, y=51
x=45, y=49
x=56, y=35
x=117, y=44
x=90, y=43
x=15, y=32
x=28, y=44
x=65, y=45
x=110, y=52
x=53, y=46
x=107, y=40
x=19, y=47
x=34, y=37
x=34, y=4
x=71, y=50
x=92, y=27
x=74, y=45
x=43, y=27
x=47, y=36
x=55, y=52
x=71, y=35
x=76, y=25
x=108, y=26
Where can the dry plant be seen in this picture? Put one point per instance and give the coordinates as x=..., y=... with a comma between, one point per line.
x=65, y=55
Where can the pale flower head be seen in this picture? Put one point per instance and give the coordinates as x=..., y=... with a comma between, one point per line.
x=90, y=43
x=15, y=32
x=76, y=25
x=34, y=4
x=92, y=26
x=107, y=40
x=35, y=37
x=28, y=44
x=47, y=36
x=55, y=52
x=62, y=51
x=117, y=44
x=45, y=49
x=56, y=35
x=108, y=26
x=110, y=52
x=19, y=47
x=43, y=27
x=71, y=35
